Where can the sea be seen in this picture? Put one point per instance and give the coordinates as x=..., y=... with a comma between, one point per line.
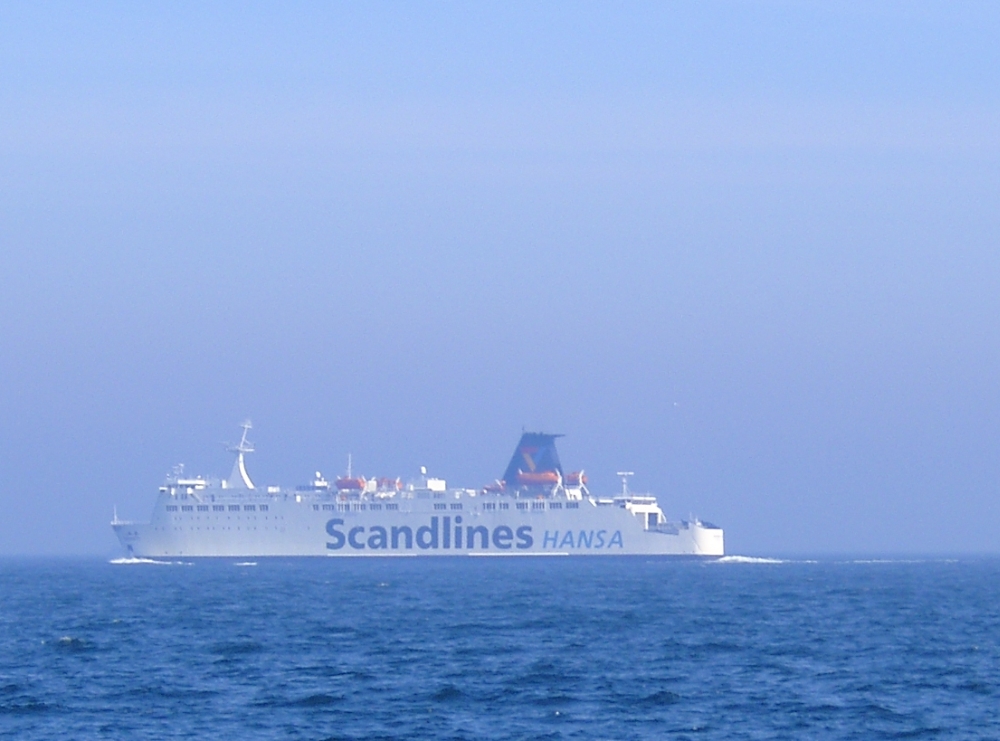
x=485, y=648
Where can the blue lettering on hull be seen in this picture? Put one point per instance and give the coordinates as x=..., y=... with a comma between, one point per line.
x=440, y=534
x=582, y=540
x=436, y=535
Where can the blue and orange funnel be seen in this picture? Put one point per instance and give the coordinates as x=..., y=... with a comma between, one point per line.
x=535, y=457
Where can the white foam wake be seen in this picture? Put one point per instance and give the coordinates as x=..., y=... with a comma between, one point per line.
x=748, y=559
x=120, y=561
x=131, y=561
x=905, y=560
x=245, y=563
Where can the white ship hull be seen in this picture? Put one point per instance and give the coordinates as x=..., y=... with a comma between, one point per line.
x=203, y=518
x=293, y=528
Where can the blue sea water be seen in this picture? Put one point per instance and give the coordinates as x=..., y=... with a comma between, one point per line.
x=625, y=648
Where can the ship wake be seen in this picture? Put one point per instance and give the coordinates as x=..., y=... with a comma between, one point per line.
x=133, y=560
x=748, y=559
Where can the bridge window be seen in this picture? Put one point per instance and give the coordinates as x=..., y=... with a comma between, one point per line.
x=327, y=507
x=457, y=506
x=187, y=508
x=392, y=506
x=522, y=505
x=504, y=505
x=489, y=505
x=203, y=508
x=218, y=508
x=440, y=506
x=555, y=505
x=263, y=508
x=249, y=507
x=343, y=507
x=234, y=508
x=572, y=505
x=171, y=508
x=376, y=506
x=316, y=507
x=538, y=505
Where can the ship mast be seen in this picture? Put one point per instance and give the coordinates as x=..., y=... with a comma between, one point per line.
x=239, y=478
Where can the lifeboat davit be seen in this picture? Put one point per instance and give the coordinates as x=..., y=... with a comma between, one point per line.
x=386, y=484
x=495, y=487
x=351, y=484
x=538, y=478
x=577, y=478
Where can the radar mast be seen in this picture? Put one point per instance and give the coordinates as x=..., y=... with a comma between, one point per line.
x=239, y=478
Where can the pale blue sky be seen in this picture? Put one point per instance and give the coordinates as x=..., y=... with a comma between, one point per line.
x=748, y=250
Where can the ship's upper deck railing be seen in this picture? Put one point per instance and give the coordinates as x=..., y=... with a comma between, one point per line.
x=354, y=488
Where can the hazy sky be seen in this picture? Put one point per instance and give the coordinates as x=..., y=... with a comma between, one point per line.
x=747, y=250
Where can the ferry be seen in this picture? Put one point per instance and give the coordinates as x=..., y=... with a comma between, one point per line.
x=534, y=509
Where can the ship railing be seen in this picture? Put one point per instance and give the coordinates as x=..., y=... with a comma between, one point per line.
x=196, y=482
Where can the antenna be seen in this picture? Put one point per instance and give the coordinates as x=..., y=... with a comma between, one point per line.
x=244, y=445
x=348, y=465
x=625, y=475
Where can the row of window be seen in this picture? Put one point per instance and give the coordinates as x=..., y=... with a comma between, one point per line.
x=534, y=505
x=373, y=507
x=219, y=508
x=356, y=507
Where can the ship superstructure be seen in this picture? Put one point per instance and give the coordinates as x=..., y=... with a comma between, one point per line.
x=534, y=509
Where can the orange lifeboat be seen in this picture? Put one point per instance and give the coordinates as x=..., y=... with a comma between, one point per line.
x=538, y=478
x=351, y=484
x=577, y=478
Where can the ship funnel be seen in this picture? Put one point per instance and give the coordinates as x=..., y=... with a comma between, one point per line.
x=534, y=454
x=239, y=478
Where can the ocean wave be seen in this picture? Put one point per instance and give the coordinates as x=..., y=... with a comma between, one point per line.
x=28, y=707
x=658, y=699
x=904, y=560
x=748, y=559
x=229, y=649
x=317, y=701
x=245, y=563
x=134, y=560
x=123, y=561
x=71, y=644
x=448, y=693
